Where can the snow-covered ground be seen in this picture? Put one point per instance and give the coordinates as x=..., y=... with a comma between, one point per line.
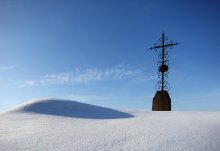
x=50, y=125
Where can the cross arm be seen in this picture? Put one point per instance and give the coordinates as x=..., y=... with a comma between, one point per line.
x=161, y=46
x=171, y=44
x=155, y=47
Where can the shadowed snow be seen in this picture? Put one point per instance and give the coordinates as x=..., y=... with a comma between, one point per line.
x=70, y=109
x=33, y=126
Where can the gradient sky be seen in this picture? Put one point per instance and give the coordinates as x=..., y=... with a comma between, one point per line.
x=96, y=52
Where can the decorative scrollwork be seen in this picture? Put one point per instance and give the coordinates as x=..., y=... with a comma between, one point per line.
x=166, y=57
x=166, y=85
x=163, y=61
x=158, y=86
x=159, y=63
x=159, y=74
x=166, y=74
x=160, y=40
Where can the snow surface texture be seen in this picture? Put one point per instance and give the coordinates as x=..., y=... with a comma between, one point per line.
x=60, y=125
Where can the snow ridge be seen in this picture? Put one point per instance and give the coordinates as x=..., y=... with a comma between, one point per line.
x=55, y=125
x=69, y=108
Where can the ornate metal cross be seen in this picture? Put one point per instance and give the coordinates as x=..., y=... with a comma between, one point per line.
x=163, y=62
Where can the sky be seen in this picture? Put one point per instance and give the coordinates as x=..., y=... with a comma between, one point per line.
x=97, y=52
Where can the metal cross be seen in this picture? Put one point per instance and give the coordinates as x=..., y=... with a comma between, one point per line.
x=163, y=61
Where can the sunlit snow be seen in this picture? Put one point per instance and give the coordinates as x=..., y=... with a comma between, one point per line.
x=52, y=125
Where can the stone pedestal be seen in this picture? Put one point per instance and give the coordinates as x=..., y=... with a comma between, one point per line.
x=161, y=101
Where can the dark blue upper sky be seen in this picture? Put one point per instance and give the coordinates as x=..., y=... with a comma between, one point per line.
x=96, y=51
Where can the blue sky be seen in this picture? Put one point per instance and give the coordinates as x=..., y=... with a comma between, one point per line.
x=96, y=52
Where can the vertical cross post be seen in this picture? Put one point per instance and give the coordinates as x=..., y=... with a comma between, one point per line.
x=162, y=101
x=162, y=61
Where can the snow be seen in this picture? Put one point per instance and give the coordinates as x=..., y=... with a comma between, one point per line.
x=68, y=108
x=55, y=125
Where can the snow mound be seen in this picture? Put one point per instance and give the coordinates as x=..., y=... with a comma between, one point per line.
x=33, y=126
x=68, y=108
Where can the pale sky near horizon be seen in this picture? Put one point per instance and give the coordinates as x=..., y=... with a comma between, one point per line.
x=96, y=52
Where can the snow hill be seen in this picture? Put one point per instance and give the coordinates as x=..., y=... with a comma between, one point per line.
x=68, y=108
x=55, y=125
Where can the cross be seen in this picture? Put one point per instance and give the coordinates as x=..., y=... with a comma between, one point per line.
x=163, y=61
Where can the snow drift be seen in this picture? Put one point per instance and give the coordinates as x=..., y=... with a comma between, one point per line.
x=70, y=109
x=55, y=125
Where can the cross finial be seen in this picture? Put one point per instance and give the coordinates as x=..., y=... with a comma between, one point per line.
x=163, y=61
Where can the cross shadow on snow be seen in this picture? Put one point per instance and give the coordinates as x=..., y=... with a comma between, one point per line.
x=73, y=109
